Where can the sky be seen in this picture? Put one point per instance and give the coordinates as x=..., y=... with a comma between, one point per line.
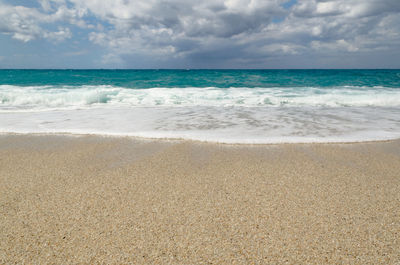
x=199, y=34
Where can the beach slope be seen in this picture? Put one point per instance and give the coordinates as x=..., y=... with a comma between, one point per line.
x=111, y=200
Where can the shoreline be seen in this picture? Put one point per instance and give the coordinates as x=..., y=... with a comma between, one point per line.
x=117, y=200
x=194, y=141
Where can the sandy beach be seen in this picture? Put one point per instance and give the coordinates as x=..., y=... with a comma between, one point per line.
x=105, y=200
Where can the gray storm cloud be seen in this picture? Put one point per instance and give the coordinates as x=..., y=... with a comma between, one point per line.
x=219, y=33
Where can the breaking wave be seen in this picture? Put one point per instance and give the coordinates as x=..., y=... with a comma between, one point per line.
x=51, y=97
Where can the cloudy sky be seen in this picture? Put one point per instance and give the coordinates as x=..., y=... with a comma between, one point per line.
x=199, y=34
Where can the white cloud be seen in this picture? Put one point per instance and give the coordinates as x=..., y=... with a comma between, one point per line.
x=177, y=28
x=230, y=30
x=164, y=27
x=58, y=36
x=20, y=22
x=345, y=8
x=26, y=24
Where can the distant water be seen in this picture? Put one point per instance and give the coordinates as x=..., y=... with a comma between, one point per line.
x=231, y=106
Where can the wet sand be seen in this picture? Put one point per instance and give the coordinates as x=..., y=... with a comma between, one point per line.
x=90, y=200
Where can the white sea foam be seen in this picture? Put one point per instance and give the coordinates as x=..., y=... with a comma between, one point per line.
x=231, y=115
x=217, y=124
x=45, y=97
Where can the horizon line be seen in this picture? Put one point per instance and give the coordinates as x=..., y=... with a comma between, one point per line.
x=188, y=69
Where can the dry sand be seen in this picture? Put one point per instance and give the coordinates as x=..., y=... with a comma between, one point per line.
x=89, y=200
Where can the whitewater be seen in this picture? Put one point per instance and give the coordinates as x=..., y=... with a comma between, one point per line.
x=255, y=115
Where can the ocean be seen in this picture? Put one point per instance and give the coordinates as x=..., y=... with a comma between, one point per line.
x=227, y=106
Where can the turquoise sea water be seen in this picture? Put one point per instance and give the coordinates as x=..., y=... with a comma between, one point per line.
x=139, y=79
x=235, y=106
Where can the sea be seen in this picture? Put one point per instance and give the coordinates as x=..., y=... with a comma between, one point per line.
x=225, y=106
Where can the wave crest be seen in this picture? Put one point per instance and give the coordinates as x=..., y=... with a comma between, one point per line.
x=45, y=97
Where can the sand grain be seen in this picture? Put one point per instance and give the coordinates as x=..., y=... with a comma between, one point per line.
x=93, y=200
